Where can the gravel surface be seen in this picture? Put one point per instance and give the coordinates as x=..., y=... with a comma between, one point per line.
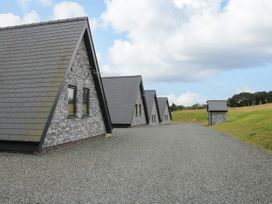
x=167, y=164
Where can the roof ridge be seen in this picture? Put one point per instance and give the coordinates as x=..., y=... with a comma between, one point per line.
x=130, y=76
x=217, y=100
x=44, y=23
x=150, y=90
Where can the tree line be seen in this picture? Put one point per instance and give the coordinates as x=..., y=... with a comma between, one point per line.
x=237, y=100
x=196, y=106
x=250, y=99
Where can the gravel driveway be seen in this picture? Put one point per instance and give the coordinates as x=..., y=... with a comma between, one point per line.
x=167, y=164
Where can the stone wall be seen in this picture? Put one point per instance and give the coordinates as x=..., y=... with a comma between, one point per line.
x=166, y=114
x=63, y=129
x=154, y=111
x=217, y=117
x=139, y=120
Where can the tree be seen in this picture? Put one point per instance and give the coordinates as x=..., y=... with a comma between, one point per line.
x=261, y=97
x=173, y=107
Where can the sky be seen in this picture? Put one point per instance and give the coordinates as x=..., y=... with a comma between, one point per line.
x=188, y=50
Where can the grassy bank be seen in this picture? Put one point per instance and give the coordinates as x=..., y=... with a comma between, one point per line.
x=250, y=124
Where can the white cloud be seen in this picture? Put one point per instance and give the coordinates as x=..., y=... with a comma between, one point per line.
x=9, y=19
x=46, y=2
x=244, y=89
x=93, y=23
x=186, y=99
x=185, y=40
x=67, y=9
x=31, y=17
x=25, y=3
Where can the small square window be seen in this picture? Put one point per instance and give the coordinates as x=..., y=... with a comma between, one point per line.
x=86, y=102
x=71, y=100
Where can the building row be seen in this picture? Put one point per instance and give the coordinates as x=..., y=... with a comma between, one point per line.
x=52, y=92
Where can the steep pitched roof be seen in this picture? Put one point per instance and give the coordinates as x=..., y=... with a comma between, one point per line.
x=163, y=102
x=34, y=62
x=151, y=98
x=217, y=105
x=121, y=94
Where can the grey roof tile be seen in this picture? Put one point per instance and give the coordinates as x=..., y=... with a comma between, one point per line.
x=33, y=62
x=151, y=98
x=121, y=94
x=163, y=103
x=217, y=105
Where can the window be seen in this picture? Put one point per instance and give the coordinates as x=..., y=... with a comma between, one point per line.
x=86, y=102
x=136, y=110
x=71, y=100
x=140, y=109
x=154, y=118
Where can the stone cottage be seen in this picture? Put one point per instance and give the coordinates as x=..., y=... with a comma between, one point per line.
x=164, y=110
x=51, y=88
x=152, y=107
x=126, y=100
x=217, y=111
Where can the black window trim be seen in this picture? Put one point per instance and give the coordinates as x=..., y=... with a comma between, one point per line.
x=136, y=110
x=75, y=101
x=88, y=102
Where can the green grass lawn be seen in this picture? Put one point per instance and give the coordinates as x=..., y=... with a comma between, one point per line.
x=251, y=124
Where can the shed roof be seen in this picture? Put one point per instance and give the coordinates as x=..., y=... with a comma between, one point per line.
x=34, y=62
x=217, y=105
x=151, y=98
x=163, y=103
x=121, y=94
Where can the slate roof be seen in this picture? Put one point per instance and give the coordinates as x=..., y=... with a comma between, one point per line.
x=151, y=98
x=163, y=102
x=217, y=105
x=34, y=59
x=121, y=94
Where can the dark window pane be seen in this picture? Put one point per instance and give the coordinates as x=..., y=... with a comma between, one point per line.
x=86, y=96
x=136, y=110
x=140, y=109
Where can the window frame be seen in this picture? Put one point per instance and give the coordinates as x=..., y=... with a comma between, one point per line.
x=84, y=114
x=75, y=101
x=136, y=110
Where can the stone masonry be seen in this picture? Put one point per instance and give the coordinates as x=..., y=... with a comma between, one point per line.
x=63, y=129
x=166, y=115
x=139, y=120
x=154, y=112
x=217, y=117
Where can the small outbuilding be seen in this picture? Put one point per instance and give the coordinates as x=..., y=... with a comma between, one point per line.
x=217, y=111
x=164, y=110
x=51, y=90
x=152, y=107
x=126, y=100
